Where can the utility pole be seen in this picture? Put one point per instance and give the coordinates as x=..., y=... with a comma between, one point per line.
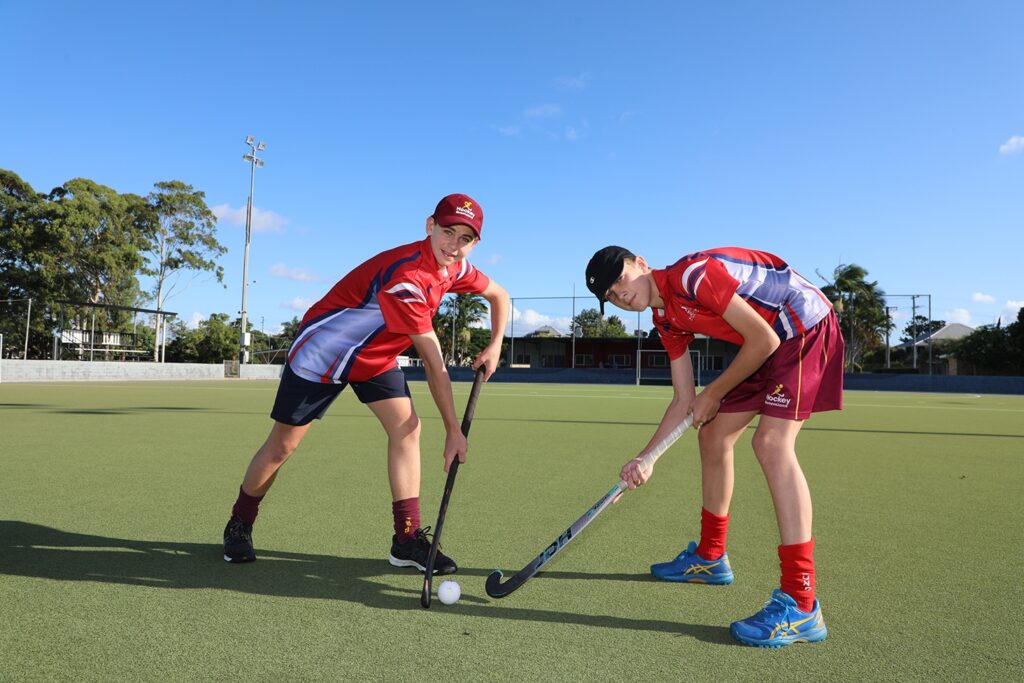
x=573, y=326
x=454, y=312
x=913, y=326
x=888, y=327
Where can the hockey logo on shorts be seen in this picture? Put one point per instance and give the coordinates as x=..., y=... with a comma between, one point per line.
x=778, y=397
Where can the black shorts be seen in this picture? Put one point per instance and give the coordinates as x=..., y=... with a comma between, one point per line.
x=300, y=401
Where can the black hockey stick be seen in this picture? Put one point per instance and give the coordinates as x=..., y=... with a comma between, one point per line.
x=497, y=589
x=467, y=421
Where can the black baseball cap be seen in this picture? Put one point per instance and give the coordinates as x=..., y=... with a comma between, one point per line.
x=604, y=269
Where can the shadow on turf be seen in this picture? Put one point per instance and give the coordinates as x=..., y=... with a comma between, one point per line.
x=36, y=551
x=127, y=411
x=754, y=426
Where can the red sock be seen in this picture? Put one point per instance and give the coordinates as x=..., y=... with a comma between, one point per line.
x=246, y=507
x=712, y=535
x=797, y=562
x=406, y=514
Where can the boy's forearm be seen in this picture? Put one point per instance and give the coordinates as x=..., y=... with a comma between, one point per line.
x=674, y=415
x=500, y=307
x=746, y=363
x=440, y=385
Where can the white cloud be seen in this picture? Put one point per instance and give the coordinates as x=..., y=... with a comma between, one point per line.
x=528, y=320
x=494, y=259
x=1012, y=307
x=983, y=298
x=958, y=315
x=297, y=274
x=297, y=304
x=1013, y=145
x=193, y=322
x=571, y=133
x=577, y=82
x=262, y=221
x=509, y=131
x=543, y=111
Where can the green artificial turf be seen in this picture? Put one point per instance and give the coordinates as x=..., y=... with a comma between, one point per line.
x=113, y=497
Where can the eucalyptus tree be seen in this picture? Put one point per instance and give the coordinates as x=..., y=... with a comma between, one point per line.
x=181, y=237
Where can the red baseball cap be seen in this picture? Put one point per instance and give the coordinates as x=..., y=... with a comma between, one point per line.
x=460, y=209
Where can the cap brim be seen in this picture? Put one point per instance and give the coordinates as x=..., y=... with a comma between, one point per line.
x=448, y=221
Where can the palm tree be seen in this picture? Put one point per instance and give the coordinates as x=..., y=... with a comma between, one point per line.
x=860, y=306
x=455, y=317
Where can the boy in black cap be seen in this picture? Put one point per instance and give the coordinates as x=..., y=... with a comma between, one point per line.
x=354, y=336
x=790, y=365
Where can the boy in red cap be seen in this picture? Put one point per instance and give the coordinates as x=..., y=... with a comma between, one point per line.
x=790, y=364
x=354, y=336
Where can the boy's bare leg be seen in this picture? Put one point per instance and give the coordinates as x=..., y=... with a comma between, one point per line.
x=280, y=444
x=717, y=439
x=399, y=419
x=775, y=447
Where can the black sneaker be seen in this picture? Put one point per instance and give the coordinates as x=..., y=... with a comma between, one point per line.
x=238, y=541
x=414, y=552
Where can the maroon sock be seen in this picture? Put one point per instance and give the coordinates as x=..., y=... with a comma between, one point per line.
x=797, y=563
x=406, y=514
x=246, y=507
x=713, y=530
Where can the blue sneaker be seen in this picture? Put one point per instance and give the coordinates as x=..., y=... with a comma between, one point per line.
x=689, y=567
x=780, y=623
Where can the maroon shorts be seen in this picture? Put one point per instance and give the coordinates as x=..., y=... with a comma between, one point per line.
x=803, y=376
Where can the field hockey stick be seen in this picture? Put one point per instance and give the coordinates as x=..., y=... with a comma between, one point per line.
x=497, y=589
x=449, y=484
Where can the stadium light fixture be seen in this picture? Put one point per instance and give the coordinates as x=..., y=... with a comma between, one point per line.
x=254, y=163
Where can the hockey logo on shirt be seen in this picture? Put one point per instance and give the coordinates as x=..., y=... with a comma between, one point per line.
x=691, y=313
x=408, y=293
x=778, y=397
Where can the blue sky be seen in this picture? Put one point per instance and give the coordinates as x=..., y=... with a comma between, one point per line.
x=885, y=134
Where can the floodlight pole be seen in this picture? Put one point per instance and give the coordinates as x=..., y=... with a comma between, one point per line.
x=243, y=355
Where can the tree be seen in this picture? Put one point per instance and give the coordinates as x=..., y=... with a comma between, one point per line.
x=19, y=227
x=211, y=342
x=457, y=315
x=860, y=306
x=289, y=330
x=98, y=233
x=985, y=349
x=1015, y=344
x=181, y=237
x=615, y=327
x=78, y=243
x=920, y=327
x=593, y=324
x=995, y=349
